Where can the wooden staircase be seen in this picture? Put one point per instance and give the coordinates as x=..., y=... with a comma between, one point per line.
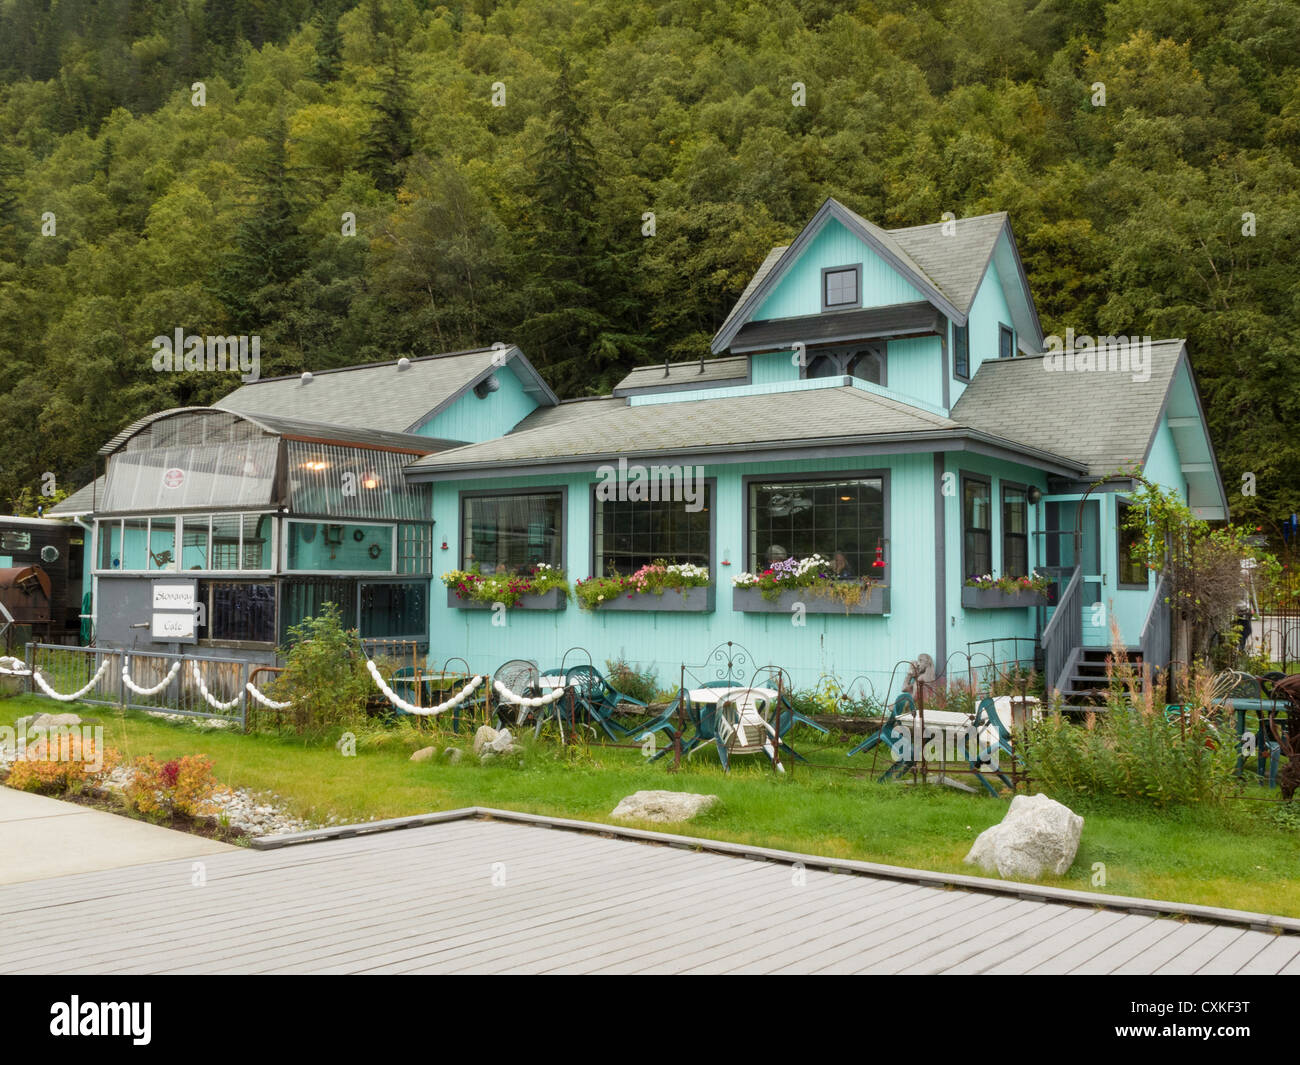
x=1086, y=684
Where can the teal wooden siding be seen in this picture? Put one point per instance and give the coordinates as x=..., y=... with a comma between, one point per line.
x=474, y=420
x=989, y=311
x=915, y=369
x=799, y=292
x=773, y=367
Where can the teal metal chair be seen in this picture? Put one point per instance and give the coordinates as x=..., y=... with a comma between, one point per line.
x=1245, y=695
x=595, y=697
x=894, y=735
x=986, y=716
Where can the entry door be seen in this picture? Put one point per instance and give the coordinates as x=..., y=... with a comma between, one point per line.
x=1062, y=519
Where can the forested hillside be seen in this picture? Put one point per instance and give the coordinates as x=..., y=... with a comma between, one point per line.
x=189, y=163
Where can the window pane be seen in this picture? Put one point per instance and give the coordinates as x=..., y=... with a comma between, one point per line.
x=162, y=543
x=239, y=611
x=135, y=546
x=823, y=366
x=331, y=546
x=632, y=534
x=110, y=545
x=390, y=610
x=1131, y=569
x=961, y=350
x=841, y=287
x=1015, y=533
x=798, y=519
x=975, y=524
x=257, y=541
x=225, y=541
x=1006, y=343
x=194, y=541
x=305, y=598
x=511, y=534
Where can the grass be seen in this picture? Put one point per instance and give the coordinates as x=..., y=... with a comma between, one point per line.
x=1229, y=856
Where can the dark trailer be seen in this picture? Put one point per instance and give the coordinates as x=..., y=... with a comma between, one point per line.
x=40, y=581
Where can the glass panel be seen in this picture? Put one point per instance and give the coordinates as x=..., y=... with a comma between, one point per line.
x=1006, y=343
x=171, y=478
x=304, y=598
x=631, y=534
x=347, y=481
x=843, y=521
x=225, y=541
x=194, y=541
x=414, y=549
x=977, y=544
x=238, y=611
x=511, y=534
x=162, y=543
x=1131, y=570
x=395, y=609
x=110, y=545
x=257, y=540
x=841, y=287
x=13, y=540
x=961, y=350
x=135, y=544
x=333, y=546
x=1015, y=533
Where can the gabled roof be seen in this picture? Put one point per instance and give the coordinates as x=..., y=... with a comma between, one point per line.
x=898, y=320
x=381, y=395
x=566, y=411
x=82, y=501
x=1022, y=400
x=833, y=413
x=698, y=373
x=946, y=266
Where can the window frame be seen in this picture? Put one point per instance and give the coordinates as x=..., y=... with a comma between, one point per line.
x=841, y=355
x=711, y=494
x=986, y=481
x=417, y=637
x=1027, y=535
x=562, y=490
x=286, y=536
x=206, y=584
x=181, y=517
x=882, y=473
x=1121, y=506
x=1005, y=331
x=961, y=352
x=856, y=302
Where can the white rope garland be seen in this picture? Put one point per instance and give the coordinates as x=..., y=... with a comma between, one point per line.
x=36, y=676
x=265, y=701
x=527, y=700
x=14, y=667
x=126, y=679
x=423, y=711
x=203, y=690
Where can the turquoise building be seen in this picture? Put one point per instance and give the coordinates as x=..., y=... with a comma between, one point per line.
x=886, y=396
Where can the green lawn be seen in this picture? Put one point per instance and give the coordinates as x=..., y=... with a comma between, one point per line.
x=1232, y=857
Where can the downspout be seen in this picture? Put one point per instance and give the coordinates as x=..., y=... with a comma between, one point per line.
x=940, y=570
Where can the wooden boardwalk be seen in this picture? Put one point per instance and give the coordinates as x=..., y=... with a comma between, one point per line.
x=481, y=896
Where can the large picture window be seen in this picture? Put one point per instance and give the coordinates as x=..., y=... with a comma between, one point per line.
x=977, y=536
x=512, y=533
x=794, y=519
x=1015, y=531
x=331, y=546
x=237, y=611
x=1132, y=572
x=392, y=610
x=631, y=534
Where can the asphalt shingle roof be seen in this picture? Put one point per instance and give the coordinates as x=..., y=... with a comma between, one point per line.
x=686, y=373
x=379, y=396
x=1103, y=419
x=773, y=418
x=81, y=501
x=954, y=263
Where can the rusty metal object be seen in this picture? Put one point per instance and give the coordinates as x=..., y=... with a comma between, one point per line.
x=26, y=593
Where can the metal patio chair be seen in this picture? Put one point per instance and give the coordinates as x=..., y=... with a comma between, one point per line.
x=895, y=736
x=521, y=677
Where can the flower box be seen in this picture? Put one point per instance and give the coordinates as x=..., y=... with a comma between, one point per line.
x=552, y=599
x=672, y=601
x=751, y=601
x=997, y=599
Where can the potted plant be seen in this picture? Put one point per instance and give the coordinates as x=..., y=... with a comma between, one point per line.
x=545, y=588
x=658, y=586
x=986, y=592
x=810, y=581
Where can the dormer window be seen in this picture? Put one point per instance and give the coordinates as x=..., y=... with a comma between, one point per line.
x=840, y=287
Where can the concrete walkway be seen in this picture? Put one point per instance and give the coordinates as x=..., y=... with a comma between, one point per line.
x=42, y=837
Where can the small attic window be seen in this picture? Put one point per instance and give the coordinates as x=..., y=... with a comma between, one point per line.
x=1006, y=343
x=840, y=287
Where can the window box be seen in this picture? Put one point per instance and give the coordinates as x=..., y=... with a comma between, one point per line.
x=751, y=601
x=997, y=599
x=552, y=599
x=672, y=601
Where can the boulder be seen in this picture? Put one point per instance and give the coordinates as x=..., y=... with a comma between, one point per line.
x=665, y=807
x=498, y=746
x=1038, y=835
x=485, y=735
x=424, y=754
x=53, y=721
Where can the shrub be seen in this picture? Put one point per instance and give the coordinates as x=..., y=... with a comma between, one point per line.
x=182, y=786
x=325, y=675
x=77, y=763
x=628, y=680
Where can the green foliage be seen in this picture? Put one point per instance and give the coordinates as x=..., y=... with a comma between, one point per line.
x=525, y=222
x=632, y=682
x=325, y=677
x=653, y=579
x=506, y=588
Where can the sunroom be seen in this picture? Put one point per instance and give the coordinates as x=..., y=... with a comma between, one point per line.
x=264, y=519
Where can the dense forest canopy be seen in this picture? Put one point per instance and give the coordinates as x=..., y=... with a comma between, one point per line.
x=189, y=163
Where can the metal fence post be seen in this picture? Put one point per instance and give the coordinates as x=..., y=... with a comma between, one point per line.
x=121, y=680
x=243, y=698
x=31, y=666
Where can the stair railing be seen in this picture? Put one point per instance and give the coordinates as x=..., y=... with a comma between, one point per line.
x=1063, y=633
x=1156, y=632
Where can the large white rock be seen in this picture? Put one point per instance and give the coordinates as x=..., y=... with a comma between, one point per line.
x=1038, y=835
x=424, y=754
x=663, y=806
x=485, y=735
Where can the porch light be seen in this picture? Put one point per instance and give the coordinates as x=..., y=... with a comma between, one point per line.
x=1034, y=495
x=371, y=482
x=315, y=464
